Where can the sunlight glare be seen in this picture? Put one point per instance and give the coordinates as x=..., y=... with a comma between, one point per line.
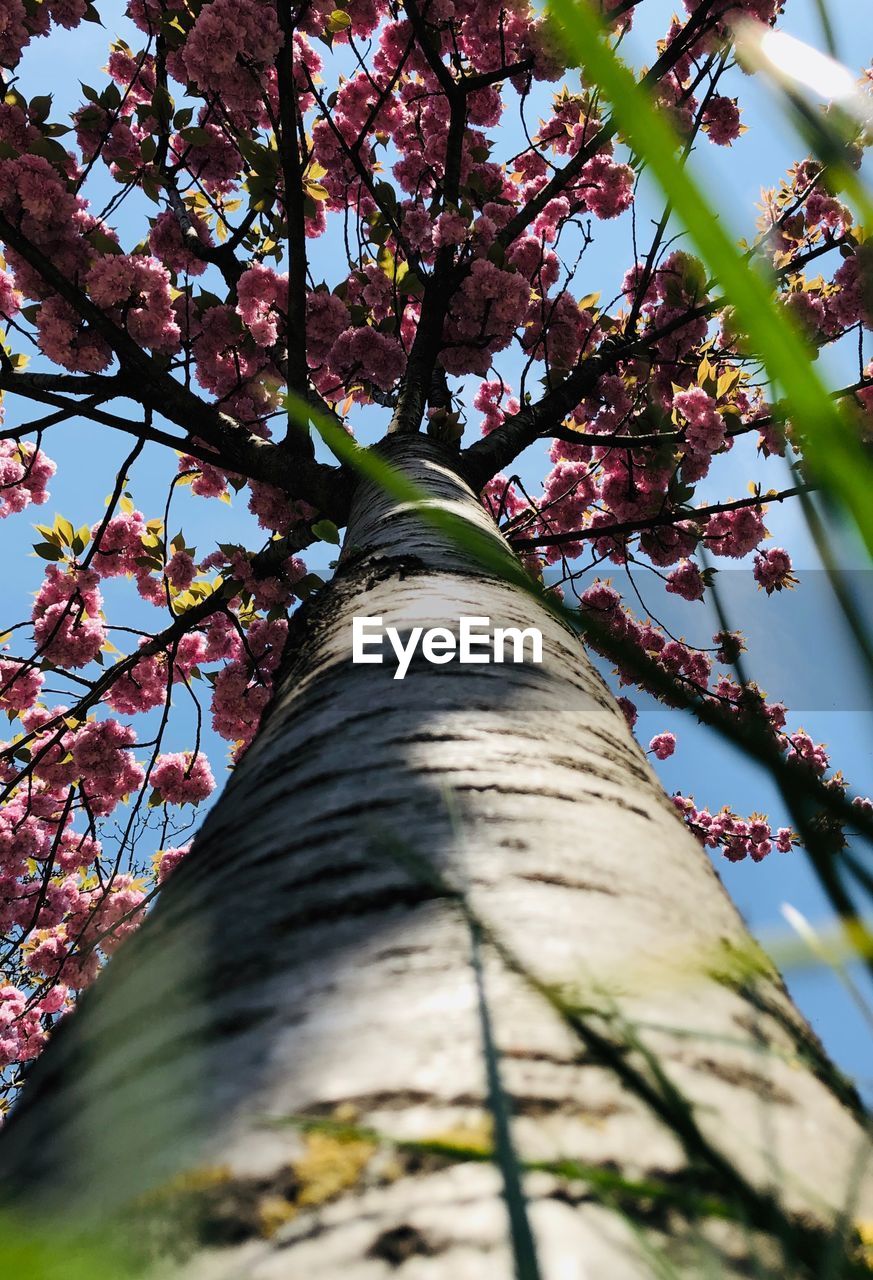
x=793, y=62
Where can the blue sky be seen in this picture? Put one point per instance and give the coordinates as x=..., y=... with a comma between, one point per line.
x=798, y=640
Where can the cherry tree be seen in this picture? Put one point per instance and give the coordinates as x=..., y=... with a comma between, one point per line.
x=444, y=940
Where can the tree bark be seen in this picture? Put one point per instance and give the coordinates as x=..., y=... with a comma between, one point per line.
x=299, y=1024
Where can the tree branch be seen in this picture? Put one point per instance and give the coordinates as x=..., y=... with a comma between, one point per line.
x=562, y=179
x=266, y=563
x=500, y=447
x=155, y=388
x=692, y=515
x=89, y=409
x=293, y=205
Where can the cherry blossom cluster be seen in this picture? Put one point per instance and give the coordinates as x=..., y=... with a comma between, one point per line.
x=736, y=838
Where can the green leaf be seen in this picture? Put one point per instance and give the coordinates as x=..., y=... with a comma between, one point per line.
x=385, y=261
x=727, y=382
x=92, y=117
x=50, y=150
x=305, y=587
x=197, y=136
x=47, y=551
x=40, y=107
x=65, y=529
x=338, y=21
x=385, y=194
x=102, y=241
x=327, y=531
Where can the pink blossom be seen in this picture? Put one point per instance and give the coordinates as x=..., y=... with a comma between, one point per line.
x=487, y=400
x=10, y=298
x=704, y=431
x=187, y=654
x=558, y=331
x=228, y=49
x=450, y=229
x=226, y=357
x=68, y=341
x=21, y=1033
x=77, y=851
x=181, y=570
x=67, y=13
x=810, y=753
x=135, y=290
x=568, y=491
x=182, y=778
x=270, y=504
x=20, y=685
x=214, y=159
x=772, y=570
x=241, y=694
x=108, y=770
x=263, y=303
x=827, y=212
x=376, y=357
x=14, y=37
x=116, y=915
x=853, y=300
x=169, y=860
x=172, y=249
x=607, y=187
x=141, y=688
x=327, y=316
x=670, y=543
x=56, y=1000
x=417, y=225
x=67, y=626
x=24, y=474
x=118, y=548
x=629, y=711
x=485, y=312
x=721, y=120
x=686, y=581
x=502, y=499
x=735, y=533
x=663, y=745
x=807, y=311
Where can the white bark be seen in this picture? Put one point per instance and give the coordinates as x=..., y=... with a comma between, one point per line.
x=300, y=965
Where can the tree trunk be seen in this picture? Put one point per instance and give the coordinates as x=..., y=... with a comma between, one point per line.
x=300, y=1025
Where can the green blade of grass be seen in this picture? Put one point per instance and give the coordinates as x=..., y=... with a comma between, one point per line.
x=490, y=551
x=827, y=27
x=831, y=446
x=523, y=1247
x=40, y=1251
x=492, y=554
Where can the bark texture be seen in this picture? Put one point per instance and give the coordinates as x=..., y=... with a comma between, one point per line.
x=301, y=967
